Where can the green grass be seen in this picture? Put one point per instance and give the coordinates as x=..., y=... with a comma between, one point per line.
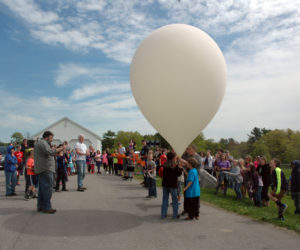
x=246, y=207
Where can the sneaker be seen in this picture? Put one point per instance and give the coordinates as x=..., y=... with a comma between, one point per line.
x=84, y=188
x=65, y=190
x=26, y=198
x=80, y=190
x=148, y=197
x=13, y=194
x=49, y=211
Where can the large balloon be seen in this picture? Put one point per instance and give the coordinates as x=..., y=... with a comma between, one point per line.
x=178, y=79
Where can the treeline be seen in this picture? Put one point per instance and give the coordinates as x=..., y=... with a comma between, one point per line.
x=281, y=144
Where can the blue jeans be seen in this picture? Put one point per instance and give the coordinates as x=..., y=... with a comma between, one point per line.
x=257, y=197
x=165, y=202
x=152, y=187
x=80, y=172
x=237, y=189
x=10, y=181
x=45, y=180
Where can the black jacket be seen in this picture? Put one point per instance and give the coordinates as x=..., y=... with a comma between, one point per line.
x=295, y=180
x=265, y=172
x=170, y=175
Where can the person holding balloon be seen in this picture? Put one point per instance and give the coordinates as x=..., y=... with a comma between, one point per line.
x=172, y=169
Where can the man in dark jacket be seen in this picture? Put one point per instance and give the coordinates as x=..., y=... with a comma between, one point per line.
x=295, y=185
x=44, y=167
x=169, y=183
x=10, y=167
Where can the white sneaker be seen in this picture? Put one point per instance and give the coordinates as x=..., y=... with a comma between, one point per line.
x=106, y=172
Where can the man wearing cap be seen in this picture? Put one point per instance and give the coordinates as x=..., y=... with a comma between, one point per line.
x=45, y=167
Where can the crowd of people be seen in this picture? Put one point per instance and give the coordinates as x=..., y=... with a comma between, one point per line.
x=47, y=167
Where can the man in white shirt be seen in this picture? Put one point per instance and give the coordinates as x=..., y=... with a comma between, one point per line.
x=81, y=153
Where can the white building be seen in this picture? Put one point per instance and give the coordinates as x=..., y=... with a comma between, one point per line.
x=68, y=130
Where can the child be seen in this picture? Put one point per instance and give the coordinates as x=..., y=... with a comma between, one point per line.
x=279, y=187
x=169, y=183
x=104, y=161
x=61, y=170
x=192, y=190
x=295, y=185
x=98, y=161
x=256, y=186
x=151, y=176
x=131, y=164
x=19, y=155
x=10, y=167
x=115, y=162
x=31, y=178
x=235, y=172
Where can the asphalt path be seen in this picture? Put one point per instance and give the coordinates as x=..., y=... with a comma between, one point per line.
x=114, y=214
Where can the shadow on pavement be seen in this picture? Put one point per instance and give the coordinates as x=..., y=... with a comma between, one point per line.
x=72, y=223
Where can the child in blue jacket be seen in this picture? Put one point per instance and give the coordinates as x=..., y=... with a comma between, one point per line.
x=10, y=167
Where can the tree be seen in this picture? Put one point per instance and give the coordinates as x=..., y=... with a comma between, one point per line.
x=124, y=137
x=108, y=140
x=163, y=142
x=199, y=142
x=256, y=134
x=17, y=138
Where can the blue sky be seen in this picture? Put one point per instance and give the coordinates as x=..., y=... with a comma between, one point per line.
x=72, y=58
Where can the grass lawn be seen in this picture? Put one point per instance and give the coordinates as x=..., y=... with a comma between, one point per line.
x=246, y=207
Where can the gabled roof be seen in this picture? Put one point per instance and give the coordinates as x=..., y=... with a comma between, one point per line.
x=69, y=120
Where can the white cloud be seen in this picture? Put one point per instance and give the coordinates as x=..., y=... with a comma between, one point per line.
x=30, y=11
x=98, y=89
x=69, y=72
x=260, y=41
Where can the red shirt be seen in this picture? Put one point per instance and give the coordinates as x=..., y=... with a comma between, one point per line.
x=19, y=156
x=163, y=159
x=30, y=166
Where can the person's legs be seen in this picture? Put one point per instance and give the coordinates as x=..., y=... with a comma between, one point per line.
x=258, y=196
x=45, y=190
x=13, y=182
x=8, y=183
x=237, y=189
x=58, y=178
x=80, y=170
x=296, y=197
x=165, y=202
x=173, y=192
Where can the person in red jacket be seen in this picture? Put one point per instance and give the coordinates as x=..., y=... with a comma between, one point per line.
x=19, y=155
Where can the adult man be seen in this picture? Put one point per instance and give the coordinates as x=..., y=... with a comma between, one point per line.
x=192, y=152
x=44, y=167
x=81, y=153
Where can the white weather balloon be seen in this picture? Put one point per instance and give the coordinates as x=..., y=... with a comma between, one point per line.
x=178, y=79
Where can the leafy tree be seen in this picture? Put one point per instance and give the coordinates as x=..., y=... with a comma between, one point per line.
x=124, y=137
x=163, y=142
x=108, y=140
x=199, y=142
x=17, y=138
x=256, y=134
x=260, y=149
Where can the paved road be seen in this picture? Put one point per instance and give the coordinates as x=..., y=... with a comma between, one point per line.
x=112, y=214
